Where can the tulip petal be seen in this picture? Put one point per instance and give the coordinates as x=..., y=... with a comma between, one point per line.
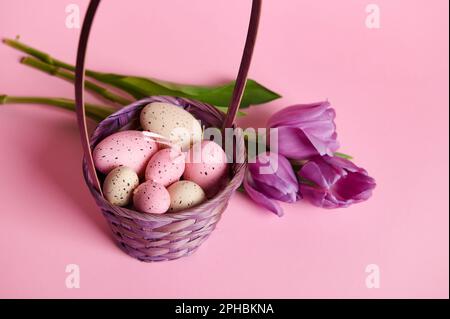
x=295, y=114
x=275, y=171
x=275, y=187
x=285, y=170
x=338, y=182
x=260, y=198
x=288, y=196
x=311, y=171
x=343, y=164
x=314, y=195
x=293, y=143
x=354, y=186
x=306, y=130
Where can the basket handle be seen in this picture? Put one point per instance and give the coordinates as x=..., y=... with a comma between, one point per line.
x=238, y=91
x=246, y=59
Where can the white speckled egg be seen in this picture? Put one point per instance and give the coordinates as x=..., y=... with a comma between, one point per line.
x=206, y=165
x=185, y=194
x=166, y=166
x=119, y=184
x=126, y=148
x=172, y=122
x=151, y=197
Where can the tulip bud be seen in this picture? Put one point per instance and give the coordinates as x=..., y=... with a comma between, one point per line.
x=334, y=182
x=271, y=178
x=305, y=130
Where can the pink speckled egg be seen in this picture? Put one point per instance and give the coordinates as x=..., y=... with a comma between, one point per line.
x=206, y=165
x=151, y=197
x=166, y=166
x=126, y=148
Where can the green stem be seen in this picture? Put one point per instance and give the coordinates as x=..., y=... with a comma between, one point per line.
x=52, y=62
x=69, y=76
x=37, y=54
x=45, y=57
x=96, y=112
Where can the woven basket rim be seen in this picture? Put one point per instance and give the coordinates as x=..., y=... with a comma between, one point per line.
x=224, y=194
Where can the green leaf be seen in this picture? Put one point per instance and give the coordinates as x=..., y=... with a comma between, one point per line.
x=224, y=109
x=140, y=87
x=305, y=181
x=342, y=155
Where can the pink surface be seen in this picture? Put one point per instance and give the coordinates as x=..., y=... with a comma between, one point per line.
x=388, y=85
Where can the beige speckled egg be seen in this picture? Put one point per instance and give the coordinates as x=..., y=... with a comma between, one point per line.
x=119, y=184
x=185, y=194
x=172, y=122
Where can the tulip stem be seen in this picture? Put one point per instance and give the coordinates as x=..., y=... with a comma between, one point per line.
x=69, y=76
x=44, y=57
x=96, y=112
x=53, y=66
x=37, y=54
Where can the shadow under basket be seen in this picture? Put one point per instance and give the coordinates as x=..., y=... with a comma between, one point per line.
x=160, y=237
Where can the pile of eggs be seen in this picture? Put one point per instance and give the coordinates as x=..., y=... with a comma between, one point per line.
x=154, y=177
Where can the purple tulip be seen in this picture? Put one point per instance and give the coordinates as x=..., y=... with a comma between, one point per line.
x=334, y=182
x=305, y=130
x=271, y=178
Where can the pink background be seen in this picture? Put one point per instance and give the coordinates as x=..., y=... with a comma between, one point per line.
x=388, y=85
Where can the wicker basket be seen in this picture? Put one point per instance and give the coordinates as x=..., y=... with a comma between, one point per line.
x=154, y=237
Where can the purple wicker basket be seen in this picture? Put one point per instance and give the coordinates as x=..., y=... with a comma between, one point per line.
x=155, y=237
x=160, y=237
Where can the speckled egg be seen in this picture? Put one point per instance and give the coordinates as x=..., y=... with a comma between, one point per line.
x=151, y=197
x=126, y=148
x=185, y=194
x=206, y=165
x=166, y=166
x=119, y=185
x=172, y=122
